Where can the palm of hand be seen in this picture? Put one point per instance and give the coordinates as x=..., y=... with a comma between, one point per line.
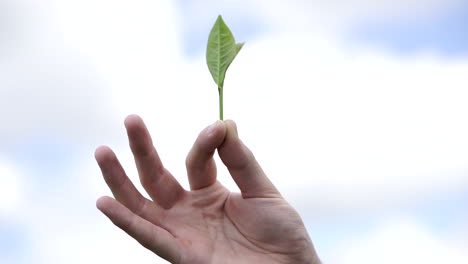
x=215, y=226
x=207, y=224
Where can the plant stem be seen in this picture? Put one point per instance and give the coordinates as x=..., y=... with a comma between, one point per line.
x=220, y=91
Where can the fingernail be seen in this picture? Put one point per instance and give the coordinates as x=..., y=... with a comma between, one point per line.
x=235, y=129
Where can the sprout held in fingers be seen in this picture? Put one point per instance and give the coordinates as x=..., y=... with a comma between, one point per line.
x=220, y=52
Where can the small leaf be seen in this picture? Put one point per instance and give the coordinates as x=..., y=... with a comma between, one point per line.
x=239, y=47
x=221, y=51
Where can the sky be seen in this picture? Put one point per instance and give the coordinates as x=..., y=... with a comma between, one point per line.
x=355, y=109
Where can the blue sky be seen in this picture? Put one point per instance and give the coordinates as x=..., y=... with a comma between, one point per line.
x=444, y=32
x=55, y=159
x=13, y=243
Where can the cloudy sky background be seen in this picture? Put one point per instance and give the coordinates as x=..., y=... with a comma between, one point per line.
x=356, y=110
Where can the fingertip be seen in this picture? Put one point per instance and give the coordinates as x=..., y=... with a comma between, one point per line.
x=224, y=129
x=214, y=134
x=102, y=152
x=103, y=202
x=231, y=128
x=217, y=129
x=132, y=120
x=229, y=122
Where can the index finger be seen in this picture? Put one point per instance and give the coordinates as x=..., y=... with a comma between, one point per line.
x=201, y=167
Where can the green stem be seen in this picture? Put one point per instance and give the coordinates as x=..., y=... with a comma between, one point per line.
x=220, y=91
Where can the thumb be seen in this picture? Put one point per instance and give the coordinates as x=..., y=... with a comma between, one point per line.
x=243, y=166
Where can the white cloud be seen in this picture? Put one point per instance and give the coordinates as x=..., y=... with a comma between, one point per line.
x=398, y=241
x=74, y=60
x=11, y=188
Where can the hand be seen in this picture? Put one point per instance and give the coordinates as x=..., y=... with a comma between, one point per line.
x=207, y=224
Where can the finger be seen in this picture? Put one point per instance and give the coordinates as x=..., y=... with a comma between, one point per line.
x=243, y=166
x=123, y=189
x=201, y=167
x=151, y=236
x=157, y=181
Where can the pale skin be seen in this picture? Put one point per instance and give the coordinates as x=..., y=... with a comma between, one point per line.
x=208, y=224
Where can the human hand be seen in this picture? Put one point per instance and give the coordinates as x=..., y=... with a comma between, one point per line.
x=207, y=224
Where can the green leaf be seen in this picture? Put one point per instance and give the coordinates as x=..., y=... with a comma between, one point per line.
x=221, y=51
x=239, y=47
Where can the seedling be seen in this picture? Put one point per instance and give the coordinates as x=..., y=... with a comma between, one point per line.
x=220, y=52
